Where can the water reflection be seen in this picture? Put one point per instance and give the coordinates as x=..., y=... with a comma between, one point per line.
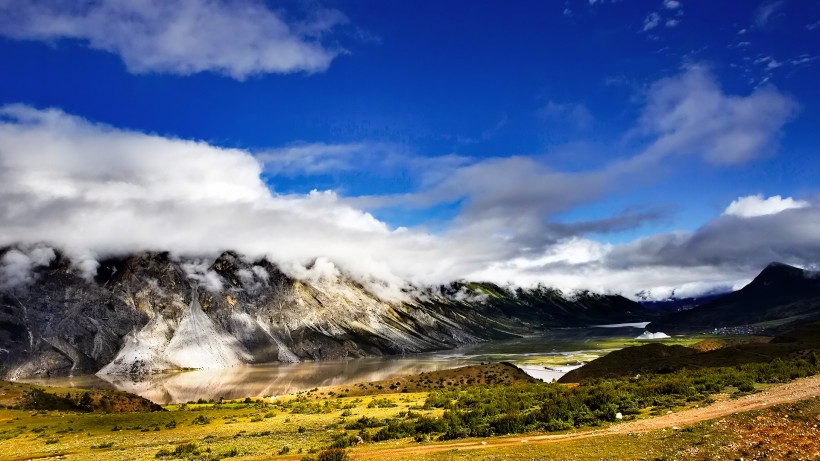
x=278, y=378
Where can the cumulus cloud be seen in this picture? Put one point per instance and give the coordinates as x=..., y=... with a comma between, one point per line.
x=756, y=205
x=237, y=38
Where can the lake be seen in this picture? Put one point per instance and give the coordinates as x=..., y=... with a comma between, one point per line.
x=545, y=357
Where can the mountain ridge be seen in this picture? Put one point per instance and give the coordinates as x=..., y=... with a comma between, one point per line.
x=780, y=293
x=136, y=315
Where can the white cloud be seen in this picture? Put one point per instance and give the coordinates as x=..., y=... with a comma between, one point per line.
x=237, y=38
x=199, y=271
x=803, y=59
x=315, y=158
x=672, y=22
x=739, y=128
x=756, y=205
x=16, y=265
x=765, y=12
x=95, y=190
x=651, y=21
x=671, y=4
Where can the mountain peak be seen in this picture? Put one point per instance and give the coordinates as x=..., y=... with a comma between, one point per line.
x=777, y=271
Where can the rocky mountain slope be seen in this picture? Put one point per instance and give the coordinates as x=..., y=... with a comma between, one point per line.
x=780, y=294
x=150, y=312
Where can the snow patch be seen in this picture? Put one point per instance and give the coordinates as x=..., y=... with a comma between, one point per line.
x=649, y=335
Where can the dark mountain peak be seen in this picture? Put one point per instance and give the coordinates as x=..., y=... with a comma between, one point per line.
x=778, y=274
x=778, y=267
x=779, y=292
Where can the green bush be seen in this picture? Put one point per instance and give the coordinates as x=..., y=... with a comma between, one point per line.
x=479, y=411
x=333, y=454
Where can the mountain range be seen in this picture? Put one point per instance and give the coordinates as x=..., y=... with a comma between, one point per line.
x=149, y=312
x=779, y=297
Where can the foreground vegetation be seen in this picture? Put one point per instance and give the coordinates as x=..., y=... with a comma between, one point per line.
x=321, y=427
x=786, y=432
x=482, y=411
x=421, y=412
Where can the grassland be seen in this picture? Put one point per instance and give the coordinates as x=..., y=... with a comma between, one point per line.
x=784, y=432
x=289, y=426
x=453, y=414
x=230, y=429
x=301, y=425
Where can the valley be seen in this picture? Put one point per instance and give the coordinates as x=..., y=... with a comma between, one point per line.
x=277, y=367
x=545, y=357
x=448, y=414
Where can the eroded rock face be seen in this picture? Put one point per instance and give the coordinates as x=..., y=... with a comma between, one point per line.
x=150, y=312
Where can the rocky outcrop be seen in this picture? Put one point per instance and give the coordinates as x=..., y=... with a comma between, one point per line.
x=151, y=312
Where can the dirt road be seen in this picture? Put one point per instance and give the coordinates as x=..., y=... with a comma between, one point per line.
x=800, y=389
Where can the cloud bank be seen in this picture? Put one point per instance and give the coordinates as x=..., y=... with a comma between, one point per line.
x=94, y=190
x=237, y=38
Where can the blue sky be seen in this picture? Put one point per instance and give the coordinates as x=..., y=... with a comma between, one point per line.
x=418, y=112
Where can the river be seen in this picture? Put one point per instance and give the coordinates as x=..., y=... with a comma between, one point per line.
x=544, y=357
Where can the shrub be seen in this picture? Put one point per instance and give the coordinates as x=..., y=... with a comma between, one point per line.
x=333, y=454
x=201, y=420
x=746, y=386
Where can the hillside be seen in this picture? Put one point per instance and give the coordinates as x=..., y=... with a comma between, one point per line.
x=149, y=312
x=660, y=358
x=501, y=373
x=22, y=396
x=780, y=295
